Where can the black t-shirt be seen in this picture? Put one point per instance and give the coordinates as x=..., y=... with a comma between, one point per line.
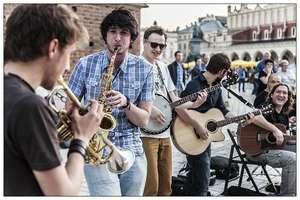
x=275, y=117
x=29, y=137
x=214, y=99
x=260, y=99
x=261, y=86
x=281, y=118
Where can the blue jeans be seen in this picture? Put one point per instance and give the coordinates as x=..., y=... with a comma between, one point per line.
x=285, y=160
x=198, y=176
x=102, y=182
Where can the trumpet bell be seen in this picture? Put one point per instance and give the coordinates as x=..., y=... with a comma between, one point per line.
x=122, y=161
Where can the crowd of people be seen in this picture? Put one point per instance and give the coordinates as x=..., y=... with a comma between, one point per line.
x=31, y=149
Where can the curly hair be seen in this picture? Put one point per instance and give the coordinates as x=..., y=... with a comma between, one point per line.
x=121, y=18
x=287, y=107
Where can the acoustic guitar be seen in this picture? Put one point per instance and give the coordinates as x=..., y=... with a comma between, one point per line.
x=253, y=139
x=167, y=108
x=187, y=141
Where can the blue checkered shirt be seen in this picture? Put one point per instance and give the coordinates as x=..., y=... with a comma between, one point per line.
x=134, y=80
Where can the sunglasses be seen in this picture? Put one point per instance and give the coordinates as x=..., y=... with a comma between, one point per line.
x=154, y=45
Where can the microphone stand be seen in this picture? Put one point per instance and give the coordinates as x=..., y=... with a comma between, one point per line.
x=239, y=97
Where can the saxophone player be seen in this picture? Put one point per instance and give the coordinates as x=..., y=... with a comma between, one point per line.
x=32, y=162
x=130, y=99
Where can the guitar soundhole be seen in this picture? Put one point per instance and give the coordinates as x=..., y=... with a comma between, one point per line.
x=211, y=126
x=271, y=139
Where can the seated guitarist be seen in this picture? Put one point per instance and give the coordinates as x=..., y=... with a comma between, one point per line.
x=158, y=148
x=198, y=176
x=280, y=97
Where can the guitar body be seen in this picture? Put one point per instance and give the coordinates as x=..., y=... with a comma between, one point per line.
x=253, y=139
x=187, y=141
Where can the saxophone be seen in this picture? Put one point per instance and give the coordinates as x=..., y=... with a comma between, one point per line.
x=119, y=160
x=108, y=122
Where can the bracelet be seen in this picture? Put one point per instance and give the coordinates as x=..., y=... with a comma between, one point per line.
x=127, y=105
x=78, y=147
x=78, y=142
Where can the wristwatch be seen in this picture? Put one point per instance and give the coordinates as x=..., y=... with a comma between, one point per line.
x=127, y=105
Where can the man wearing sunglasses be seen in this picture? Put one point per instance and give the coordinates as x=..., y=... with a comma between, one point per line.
x=158, y=148
x=177, y=72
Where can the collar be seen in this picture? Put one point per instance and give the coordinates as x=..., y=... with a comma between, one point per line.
x=106, y=61
x=21, y=79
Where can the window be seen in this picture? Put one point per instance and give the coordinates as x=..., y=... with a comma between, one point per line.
x=184, y=46
x=279, y=33
x=266, y=34
x=254, y=35
x=293, y=31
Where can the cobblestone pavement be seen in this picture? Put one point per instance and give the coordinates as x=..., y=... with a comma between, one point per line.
x=222, y=149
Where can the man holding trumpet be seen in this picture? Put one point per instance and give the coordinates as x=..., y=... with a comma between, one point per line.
x=39, y=41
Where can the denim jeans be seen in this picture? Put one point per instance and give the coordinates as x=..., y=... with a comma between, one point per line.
x=102, y=182
x=285, y=160
x=198, y=176
x=159, y=166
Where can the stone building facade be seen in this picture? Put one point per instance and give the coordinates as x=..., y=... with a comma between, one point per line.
x=254, y=31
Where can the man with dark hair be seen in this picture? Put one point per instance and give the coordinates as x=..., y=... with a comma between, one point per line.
x=158, y=148
x=38, y=43
x=264, y=75
x=130, y=100
x=280, y=97
x=199, y=165
x=200, y=65
x=177, y=72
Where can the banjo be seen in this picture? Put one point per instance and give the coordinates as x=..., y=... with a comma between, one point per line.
x=167, y=107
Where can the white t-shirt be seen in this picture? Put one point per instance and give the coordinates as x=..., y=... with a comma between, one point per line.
x=287, y=77
x=161, y=89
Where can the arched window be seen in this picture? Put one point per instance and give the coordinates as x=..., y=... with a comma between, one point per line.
x=279, y=33
x=266, y=34
x=254, y=35
x=293, y=31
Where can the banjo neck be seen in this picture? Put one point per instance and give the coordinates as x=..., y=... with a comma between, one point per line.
x=194, y=96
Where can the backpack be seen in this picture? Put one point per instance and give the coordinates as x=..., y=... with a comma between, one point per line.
x=220, y=165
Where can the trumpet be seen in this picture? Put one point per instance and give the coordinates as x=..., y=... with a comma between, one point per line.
x=119, y=161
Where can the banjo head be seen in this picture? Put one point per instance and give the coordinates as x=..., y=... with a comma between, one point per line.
x=161, y=103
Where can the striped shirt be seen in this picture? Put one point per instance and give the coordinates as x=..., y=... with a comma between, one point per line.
x=134, y=79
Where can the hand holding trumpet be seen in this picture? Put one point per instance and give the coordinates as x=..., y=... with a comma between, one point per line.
x=85, y=126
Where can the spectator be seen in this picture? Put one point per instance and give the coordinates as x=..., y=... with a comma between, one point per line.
x=177, y=72
x=242, y=78
x=264, y=75
x=286, y=75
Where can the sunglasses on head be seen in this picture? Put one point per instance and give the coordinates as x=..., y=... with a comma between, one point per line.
x=154, y=45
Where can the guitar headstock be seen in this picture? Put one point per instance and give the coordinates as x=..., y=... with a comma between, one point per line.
x=267, y=109
x=230, y=80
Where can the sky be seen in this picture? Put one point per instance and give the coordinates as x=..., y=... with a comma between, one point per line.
x=169, y=16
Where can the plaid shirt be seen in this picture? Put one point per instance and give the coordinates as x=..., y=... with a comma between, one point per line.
x=134, y=80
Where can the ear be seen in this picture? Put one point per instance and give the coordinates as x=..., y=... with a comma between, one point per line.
x=53, y=48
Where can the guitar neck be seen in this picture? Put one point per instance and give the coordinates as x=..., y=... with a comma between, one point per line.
x=289, y=137
x=193, y=96
x=235, y=119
